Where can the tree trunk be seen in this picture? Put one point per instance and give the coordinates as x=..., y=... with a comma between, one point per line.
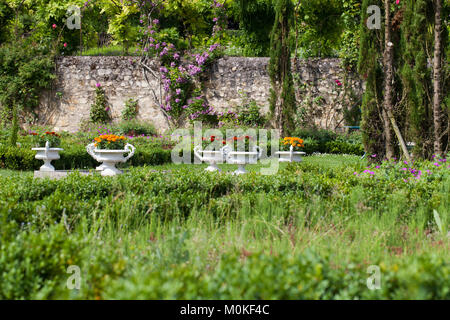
x=296, y=31
x=388, y=60
x=437, y=79
x=388, y=113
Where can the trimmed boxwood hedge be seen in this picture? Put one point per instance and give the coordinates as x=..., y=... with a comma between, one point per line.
x=75, y=158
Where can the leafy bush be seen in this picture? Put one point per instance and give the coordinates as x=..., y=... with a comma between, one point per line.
x=320, y=135
x=99, y=109
x=33, y=264
x=274, y=277
x=325, y=141
x=131, y=110
x=342, y=147
x=76, y=157
x=250, y=115
x=136, y=128
x=106, y=225
x=15, y=158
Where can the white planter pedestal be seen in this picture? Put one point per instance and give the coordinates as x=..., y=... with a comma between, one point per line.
x=242, y=158
x=47, y=154
x=212, y=157
x=290, y=156
x=110, y=158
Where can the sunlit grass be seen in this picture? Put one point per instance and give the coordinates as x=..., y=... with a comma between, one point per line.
x=116, y=50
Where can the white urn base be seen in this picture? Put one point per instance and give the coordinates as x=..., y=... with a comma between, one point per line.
x=47, y=155
x=47, y=166
x=286, y=156
x=212, y=167
x=100, y=167
x=240, y=170
x=109, y=169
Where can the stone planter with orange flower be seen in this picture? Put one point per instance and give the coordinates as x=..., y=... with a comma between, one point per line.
x=110, y=150
x=293, y=143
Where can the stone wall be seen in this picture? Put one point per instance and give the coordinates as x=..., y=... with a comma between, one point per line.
x=68, y=103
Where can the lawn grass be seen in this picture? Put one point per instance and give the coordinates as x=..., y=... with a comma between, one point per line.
x=116, y=50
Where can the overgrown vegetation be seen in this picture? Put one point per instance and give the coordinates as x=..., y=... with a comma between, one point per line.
x=308, y=232
x=26, y=68
x=100, y=110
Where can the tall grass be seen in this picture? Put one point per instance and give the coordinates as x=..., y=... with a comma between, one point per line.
x=139, y=239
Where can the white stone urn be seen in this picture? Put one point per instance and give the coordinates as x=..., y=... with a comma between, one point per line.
x=47, y=154
x=290, y=156
x=110, y=158
x=242, y=158
x=212, y=157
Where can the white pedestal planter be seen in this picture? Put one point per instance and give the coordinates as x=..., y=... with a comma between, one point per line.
x=242, y=158
x=290, y=156
x=212, y=157
x=110, y=158
x=47, y=154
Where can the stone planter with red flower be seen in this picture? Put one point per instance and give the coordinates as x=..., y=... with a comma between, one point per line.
x=208, y=152
x=243, y=153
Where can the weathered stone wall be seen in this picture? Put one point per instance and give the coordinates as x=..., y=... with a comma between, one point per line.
x=226, y=82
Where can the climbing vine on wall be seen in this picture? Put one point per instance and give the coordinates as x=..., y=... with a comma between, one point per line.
x=179, y=97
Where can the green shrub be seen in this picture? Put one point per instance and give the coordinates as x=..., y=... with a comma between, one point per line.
x=34, y=264
x=100, y=111
x=325, y=141
x=273, y=277
x=136, y=128
x=76, y=157
x=320, y=135
x=250, y=115
x=131, y=110
x=105, y=226
x=342, y=147
x=16, y=158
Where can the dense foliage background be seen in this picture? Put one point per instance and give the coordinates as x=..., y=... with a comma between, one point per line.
x=324, y=28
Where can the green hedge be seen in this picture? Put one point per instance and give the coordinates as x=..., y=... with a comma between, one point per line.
x=48, y=225
x=285, y=277
x=31, y=269
x=75, y=157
